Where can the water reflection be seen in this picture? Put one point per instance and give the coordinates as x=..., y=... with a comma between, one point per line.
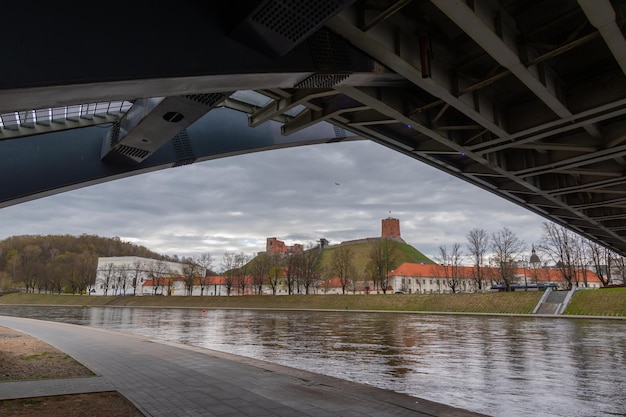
x=502, y=366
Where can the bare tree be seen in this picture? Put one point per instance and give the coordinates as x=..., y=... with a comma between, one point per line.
x=260, y=271
x=382, y=258
x=229, y=263
x=158, y=272
x=326, y=278
x=121, y=279
x=241, y=272
x=451, y=265
x=291, y=271
x=13, y=264
x=106, y=274
x=191, y=271
x=276, y=272
x=342, y=265
x=559, y=244
x=601, y=259
x=72, y=279
x=506, y=247
x=620, y=264
x=135, y=274
x=52, y=277
x=300, y=272
x=31, y=267
x=56, y=272
x=310, y=275
x=477, y=245
x=84, y=271
x=579, y=261
x=205, y=260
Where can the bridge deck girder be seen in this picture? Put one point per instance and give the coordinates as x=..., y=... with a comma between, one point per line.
x=526, y=99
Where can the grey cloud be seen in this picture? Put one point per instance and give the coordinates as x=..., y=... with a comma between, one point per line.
x=233, y=204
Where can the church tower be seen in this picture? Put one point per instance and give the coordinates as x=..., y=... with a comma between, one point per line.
x=391, y=229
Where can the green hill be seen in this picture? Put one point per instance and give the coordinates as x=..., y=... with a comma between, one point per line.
x=361, y=250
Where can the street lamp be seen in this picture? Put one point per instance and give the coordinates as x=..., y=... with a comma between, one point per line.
x=524, y=264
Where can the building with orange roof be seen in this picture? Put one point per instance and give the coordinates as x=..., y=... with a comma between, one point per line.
x=435, y=278
x=176, y=285
x=214, y=285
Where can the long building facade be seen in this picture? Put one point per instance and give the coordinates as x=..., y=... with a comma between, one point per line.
x=415, y=278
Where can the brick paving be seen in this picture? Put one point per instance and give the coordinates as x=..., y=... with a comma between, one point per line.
x=169, y=379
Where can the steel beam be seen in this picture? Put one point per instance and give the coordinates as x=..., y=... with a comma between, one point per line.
x=52, y=163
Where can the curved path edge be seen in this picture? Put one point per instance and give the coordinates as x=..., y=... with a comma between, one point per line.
x=170, y=379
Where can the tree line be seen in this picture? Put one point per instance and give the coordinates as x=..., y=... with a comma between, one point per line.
x=59, y=263
x=64, y=263
x=299, y=272
x=503, y=251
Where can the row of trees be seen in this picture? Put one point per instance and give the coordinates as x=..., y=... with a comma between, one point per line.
x=59, y=263
x=503, y=251
x=49, y=270
x=295, y=270
x=381, y=259
x=47, y=264
x=127, y=279
x=299, y=271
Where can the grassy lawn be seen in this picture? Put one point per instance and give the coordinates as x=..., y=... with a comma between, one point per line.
x=602, y=302
x=605, y=302
x=511, y=303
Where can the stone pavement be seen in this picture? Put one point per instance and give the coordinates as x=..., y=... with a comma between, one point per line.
x=169, y=379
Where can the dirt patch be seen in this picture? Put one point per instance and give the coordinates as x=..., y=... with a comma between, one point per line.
x=23, y=357
x=102, y=404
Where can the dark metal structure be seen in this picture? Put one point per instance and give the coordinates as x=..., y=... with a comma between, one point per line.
x=524, y=98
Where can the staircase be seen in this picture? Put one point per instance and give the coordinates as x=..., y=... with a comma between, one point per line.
x=553, y=302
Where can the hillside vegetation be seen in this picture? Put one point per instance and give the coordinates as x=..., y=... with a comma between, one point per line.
x=51, y=246
x=402, y=252
x=59, y=263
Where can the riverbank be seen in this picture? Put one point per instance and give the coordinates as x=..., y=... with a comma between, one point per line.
x=604, y=302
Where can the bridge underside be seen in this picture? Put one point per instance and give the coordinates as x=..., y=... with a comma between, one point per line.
x=526, y=99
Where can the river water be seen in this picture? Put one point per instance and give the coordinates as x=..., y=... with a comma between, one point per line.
x=500, y=366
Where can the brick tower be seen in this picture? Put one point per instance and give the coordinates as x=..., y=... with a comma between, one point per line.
x=391, y=229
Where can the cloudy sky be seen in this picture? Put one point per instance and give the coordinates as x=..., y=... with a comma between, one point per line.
x=337, y=191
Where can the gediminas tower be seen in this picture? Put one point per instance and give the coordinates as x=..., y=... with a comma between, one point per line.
x=391, y=229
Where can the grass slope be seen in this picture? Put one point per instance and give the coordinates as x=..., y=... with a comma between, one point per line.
x=509, y=303
x=602, y=302
x=361, y=253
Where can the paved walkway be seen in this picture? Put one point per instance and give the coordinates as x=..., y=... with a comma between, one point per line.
x=169, y=379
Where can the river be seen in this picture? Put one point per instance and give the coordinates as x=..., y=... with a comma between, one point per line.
x=500, y=366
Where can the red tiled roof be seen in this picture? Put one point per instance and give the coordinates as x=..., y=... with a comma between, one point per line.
x=437, y=271
x=210, y=280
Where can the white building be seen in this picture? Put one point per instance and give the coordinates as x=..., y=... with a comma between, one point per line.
x=125, y=275
x=433, y=278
